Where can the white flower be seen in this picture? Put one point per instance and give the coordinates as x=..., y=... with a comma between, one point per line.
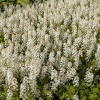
x=9, y=94
x=14, y=84
x=89, y=77
x=97, y=56
x=44, y=70
x=62, y=61
x=70, y=74
x=75, y=97
x=51, y=57
x=46, y=38
x=53, y=74
x=77, y=61
x=23, y=91
x=69, y=65
x=76, y=81
x=53, y=39
x=69, y=41
x=9, y=76
x=1, y=46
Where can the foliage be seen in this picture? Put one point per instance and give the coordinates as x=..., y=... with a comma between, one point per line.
x=50, y=51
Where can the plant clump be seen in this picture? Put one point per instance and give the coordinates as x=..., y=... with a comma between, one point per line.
x=50, y=51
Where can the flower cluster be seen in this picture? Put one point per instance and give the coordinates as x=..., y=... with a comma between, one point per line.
x=54, y=42
x=89, y=77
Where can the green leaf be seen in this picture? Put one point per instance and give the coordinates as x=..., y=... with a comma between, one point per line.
x=46, y=91
x=1, y=0
x=23, y=1
x=95, y=90
x=7, y=3
x=84, y=98
x=48, y=98
x=70, y=89
x=64, y=95
x=15, y=98
x=11, y=0
x=83, y=83
x=82, y=92
x=92, y=96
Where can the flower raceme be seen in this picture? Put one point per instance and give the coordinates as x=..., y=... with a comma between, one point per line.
x=47, y=47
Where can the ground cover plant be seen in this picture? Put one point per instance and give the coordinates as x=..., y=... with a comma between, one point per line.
x=14, y=2
x=50, y=51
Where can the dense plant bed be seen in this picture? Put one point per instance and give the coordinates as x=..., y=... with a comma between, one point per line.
x=50, y=51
